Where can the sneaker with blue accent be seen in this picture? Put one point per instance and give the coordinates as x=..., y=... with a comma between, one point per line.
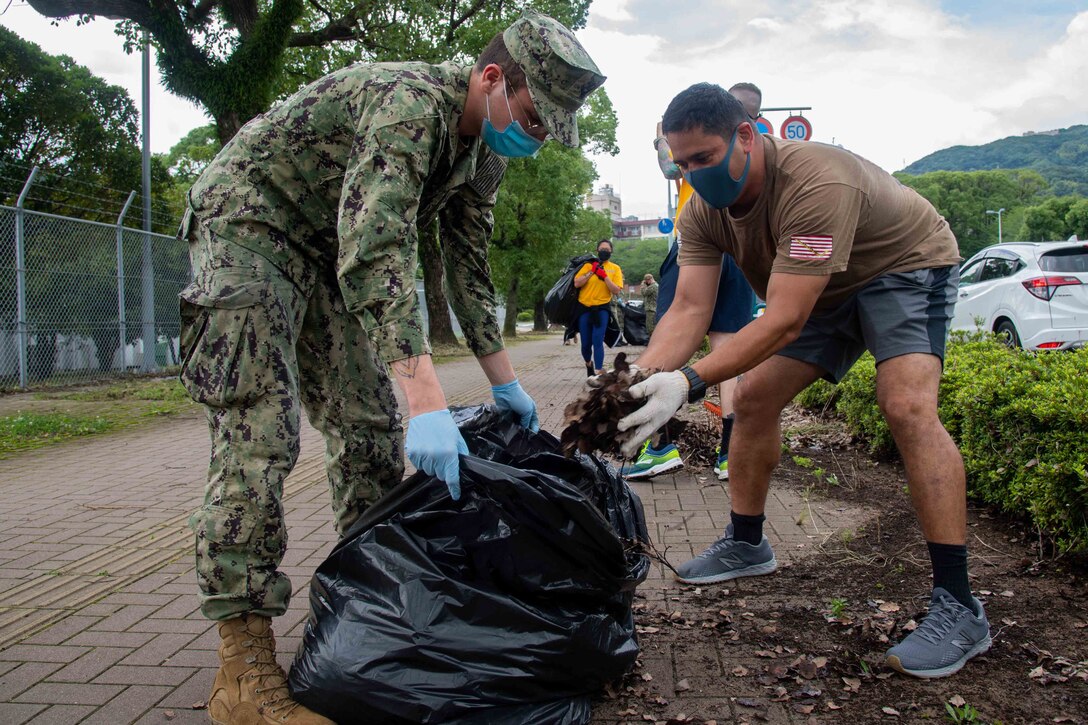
x=722, y=466
x=950, y=635
x=652, y=462
x=728, y=559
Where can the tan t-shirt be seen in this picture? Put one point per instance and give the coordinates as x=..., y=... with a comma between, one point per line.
x=823, y=210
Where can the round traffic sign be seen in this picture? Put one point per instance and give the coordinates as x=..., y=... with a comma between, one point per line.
x=796, y=128
x=664, y=225
x=764, y=126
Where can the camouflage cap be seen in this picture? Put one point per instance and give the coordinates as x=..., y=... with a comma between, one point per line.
x=558, y=70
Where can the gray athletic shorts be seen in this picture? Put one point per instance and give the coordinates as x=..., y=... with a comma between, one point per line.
x=895, y=314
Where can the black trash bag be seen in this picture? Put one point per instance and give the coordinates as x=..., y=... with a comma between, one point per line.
x=510, y=606
x=561, y=303
x=634, y=323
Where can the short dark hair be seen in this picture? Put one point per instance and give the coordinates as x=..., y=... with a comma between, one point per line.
x=707, y=106
x=750, y=87
x=496, y=53
x=605, y=241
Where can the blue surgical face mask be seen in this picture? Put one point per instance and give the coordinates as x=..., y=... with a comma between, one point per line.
x=513, y=141
x=715, y=185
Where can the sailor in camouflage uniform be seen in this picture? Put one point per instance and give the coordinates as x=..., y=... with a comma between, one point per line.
x=302, y=234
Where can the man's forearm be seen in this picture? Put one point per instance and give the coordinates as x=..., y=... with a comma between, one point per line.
x=497, y=367
x=419, y=381
x=753, y=344
x=675, y=339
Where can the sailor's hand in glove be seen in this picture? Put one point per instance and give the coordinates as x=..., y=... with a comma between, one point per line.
x=512, y=398
x=664, y=394
x=433, y=445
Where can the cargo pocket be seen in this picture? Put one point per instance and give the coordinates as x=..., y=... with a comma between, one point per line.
x=224, y=549
x=233, y=333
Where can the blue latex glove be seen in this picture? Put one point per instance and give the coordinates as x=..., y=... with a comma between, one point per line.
x=513, y=398
x=433, y=443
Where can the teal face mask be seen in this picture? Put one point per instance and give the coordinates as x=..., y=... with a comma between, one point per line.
x=714, y=184
x=513, y=141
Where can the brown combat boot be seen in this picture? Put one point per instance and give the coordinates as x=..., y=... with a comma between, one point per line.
x=250, y=687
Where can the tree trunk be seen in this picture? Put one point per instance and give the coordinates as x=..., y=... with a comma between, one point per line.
x=510, y=322
x=226, y=125
x=540, y=320
x=440, y=327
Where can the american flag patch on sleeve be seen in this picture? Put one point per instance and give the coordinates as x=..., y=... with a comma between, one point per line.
x=810, y=247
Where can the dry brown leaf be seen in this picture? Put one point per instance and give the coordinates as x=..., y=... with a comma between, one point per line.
x=1007, y=593
x=889, y=607
x=890, y=711
x=820, y=662
x=804, y=709
x=957, y=701
x=853, y=684
x=832, y=706
x=682, y=686
x=740, y=671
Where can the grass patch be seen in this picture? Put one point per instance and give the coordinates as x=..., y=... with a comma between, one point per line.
x=25, y=431
x=29, y=421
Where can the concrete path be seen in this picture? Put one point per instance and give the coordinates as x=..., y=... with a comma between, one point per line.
x=98, y=609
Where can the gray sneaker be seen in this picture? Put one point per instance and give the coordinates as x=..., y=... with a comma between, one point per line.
x=950, y=635
x=728, y=559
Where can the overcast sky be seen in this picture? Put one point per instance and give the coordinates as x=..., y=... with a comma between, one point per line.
x=892, y=80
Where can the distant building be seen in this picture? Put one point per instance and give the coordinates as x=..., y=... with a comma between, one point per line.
x=635, y=228
x=1052, y=132
x=606, y=200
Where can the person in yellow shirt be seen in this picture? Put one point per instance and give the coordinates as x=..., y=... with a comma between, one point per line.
x=596, y=282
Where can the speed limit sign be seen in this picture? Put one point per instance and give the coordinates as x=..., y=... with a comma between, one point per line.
x=796, y=128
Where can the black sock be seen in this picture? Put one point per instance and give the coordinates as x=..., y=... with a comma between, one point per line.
x=950, y=571
x=727, y=432
x=748, y=529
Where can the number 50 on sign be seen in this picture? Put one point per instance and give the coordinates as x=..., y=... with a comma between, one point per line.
x=796, y=128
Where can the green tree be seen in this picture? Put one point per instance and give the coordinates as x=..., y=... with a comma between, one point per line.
x=963, y=197
x=82, y=132
x=1055, y=219
x=234, y=57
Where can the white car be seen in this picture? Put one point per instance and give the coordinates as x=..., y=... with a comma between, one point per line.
x=1034, y=294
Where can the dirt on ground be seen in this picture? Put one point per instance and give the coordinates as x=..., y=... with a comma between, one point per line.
x=806, y=645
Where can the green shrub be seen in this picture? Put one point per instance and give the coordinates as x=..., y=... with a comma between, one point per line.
x=1020, y=420
x=525, y=316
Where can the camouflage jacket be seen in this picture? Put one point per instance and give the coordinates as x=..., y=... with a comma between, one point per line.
x=342, y=175
x=649, y=296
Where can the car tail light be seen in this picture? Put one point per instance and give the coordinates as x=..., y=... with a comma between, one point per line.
x=1044, y=287
x=1049, y=345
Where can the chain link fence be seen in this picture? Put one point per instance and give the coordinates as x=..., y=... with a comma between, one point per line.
x=81, y=300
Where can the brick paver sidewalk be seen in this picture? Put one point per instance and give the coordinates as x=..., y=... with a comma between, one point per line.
x=98, y=611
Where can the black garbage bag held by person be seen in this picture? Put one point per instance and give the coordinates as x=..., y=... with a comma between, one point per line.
x=509, y=606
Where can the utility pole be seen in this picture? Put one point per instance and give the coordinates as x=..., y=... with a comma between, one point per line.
x=147, y=267
x=998, y=212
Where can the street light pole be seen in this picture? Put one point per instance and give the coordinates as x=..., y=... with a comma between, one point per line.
x=998, y=212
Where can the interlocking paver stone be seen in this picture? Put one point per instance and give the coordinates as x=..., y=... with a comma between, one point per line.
x=135, y=647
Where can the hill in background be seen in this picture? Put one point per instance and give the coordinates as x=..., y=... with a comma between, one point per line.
x=1060, y=156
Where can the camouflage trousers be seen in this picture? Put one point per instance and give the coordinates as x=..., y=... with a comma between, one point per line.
x=617, y=312
x=651, y=315
x=256, y=349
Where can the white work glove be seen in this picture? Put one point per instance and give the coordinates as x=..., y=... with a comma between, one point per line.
x=664, y=394
x=594, y=381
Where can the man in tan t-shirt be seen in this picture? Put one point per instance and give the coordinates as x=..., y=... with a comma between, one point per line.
x=848, y=260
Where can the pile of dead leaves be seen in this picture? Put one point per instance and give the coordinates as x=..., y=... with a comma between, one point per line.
x=590, y=421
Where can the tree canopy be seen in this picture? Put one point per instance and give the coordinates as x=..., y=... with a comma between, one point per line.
x=234, y=57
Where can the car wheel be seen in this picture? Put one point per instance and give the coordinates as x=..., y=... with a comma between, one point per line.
x=1007, y=332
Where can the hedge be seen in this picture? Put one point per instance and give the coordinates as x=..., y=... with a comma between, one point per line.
x=1020, y=419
